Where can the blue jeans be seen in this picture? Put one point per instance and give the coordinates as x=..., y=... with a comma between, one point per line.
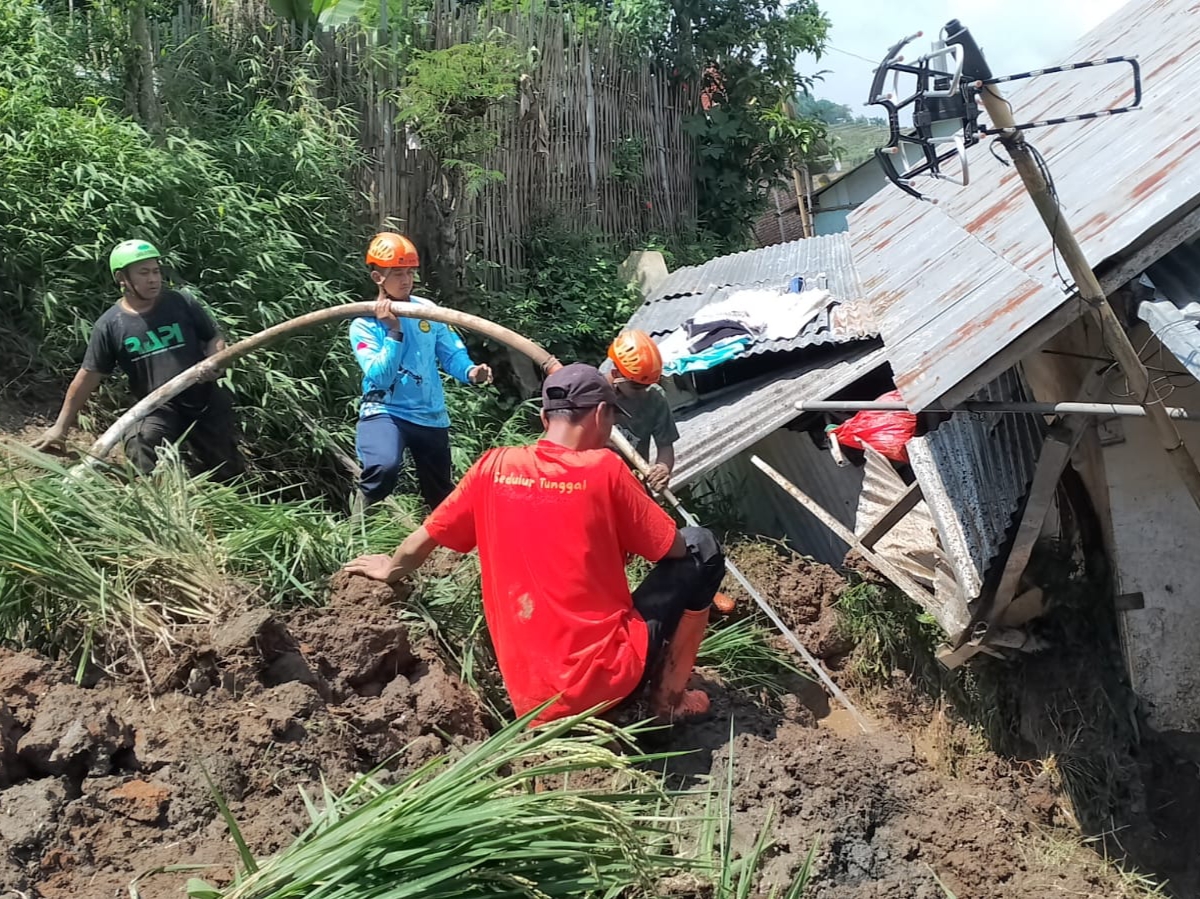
x=380, y=444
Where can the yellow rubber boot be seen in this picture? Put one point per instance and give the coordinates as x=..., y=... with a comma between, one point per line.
x=671, y=700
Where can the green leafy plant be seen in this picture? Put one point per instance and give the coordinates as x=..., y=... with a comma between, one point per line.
x=628, y=165
x=572, y=296
x=87, y=557
x=478, y=826
x=317, y=13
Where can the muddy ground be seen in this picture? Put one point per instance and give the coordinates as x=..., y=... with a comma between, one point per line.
x=106, y=781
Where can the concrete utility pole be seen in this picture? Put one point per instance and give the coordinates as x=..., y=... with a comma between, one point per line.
x=1114, y=336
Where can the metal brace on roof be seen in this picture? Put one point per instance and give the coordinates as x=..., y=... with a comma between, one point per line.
x=945, y=106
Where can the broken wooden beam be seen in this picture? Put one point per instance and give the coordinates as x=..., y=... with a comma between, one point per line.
x=1060, y=442
x=892, y=515
x=906, y=584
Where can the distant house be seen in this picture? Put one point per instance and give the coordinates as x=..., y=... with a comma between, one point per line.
x=813, y=206
x=832, y=202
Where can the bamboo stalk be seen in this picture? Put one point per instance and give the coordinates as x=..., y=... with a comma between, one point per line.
x=1088, y=286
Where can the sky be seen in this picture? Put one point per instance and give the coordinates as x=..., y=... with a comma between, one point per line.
x=1015, y=35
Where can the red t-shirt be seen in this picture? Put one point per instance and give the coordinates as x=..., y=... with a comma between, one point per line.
x=554, y=527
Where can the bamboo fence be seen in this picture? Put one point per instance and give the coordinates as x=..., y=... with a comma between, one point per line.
x=594, y=140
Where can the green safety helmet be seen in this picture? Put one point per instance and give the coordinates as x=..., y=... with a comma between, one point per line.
x=127, y=252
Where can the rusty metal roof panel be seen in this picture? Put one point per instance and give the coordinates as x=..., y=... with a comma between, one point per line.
x=715, y=432
x=686, y=291
x=953, y=285
x=767, y=266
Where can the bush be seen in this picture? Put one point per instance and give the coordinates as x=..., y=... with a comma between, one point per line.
x=255, y=209
x=571, y=298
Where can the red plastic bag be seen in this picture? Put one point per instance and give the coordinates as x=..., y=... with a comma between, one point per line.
x=885, y=432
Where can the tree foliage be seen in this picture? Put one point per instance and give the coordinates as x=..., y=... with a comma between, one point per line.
x=253, y=206
x=741, y=56
x=744, y=53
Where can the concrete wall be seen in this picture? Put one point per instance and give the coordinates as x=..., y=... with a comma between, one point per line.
x=1151, y=526
x=1156, y=551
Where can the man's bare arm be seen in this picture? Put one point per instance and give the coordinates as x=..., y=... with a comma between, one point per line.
x=83, y=385
x=665, y=455
x=408, y=557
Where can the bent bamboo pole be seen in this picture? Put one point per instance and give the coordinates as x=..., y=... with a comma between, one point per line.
x=211, y=367
x=214, y=364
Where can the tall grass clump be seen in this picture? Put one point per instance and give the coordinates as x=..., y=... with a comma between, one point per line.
x=91, y=556
x=508, y=817
x=481, y=825
x=743, y=652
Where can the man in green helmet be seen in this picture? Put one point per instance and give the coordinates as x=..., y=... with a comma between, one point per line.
x=153, y=334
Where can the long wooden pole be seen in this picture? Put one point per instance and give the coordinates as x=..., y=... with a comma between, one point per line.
x=1113, y=335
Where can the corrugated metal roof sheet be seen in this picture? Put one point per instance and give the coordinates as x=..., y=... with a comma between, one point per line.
x=952, y=285
x=715, y=432
x=1174, y=314
x=912, y=545
x=685, y=291
x=974, y=471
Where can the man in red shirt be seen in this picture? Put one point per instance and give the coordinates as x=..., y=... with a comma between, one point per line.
x=555, y=524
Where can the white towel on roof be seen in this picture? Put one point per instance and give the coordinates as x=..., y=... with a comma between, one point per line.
x=771, y=314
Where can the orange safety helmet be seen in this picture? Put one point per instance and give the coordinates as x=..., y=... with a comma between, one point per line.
x=388, y=249
x=636, y=356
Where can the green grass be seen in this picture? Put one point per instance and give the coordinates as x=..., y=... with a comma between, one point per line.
x=89, y=557
x=479, y=826
x=742, y=653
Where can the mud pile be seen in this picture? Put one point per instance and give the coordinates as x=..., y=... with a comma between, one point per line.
x=102, y=782
x=109, y=780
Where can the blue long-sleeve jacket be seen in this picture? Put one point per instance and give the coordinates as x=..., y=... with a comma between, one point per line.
x=400, y=377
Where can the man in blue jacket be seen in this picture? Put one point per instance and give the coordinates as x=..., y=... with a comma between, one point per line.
x=403, y=404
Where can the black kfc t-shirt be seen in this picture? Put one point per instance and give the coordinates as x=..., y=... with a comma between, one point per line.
x=153, y=347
